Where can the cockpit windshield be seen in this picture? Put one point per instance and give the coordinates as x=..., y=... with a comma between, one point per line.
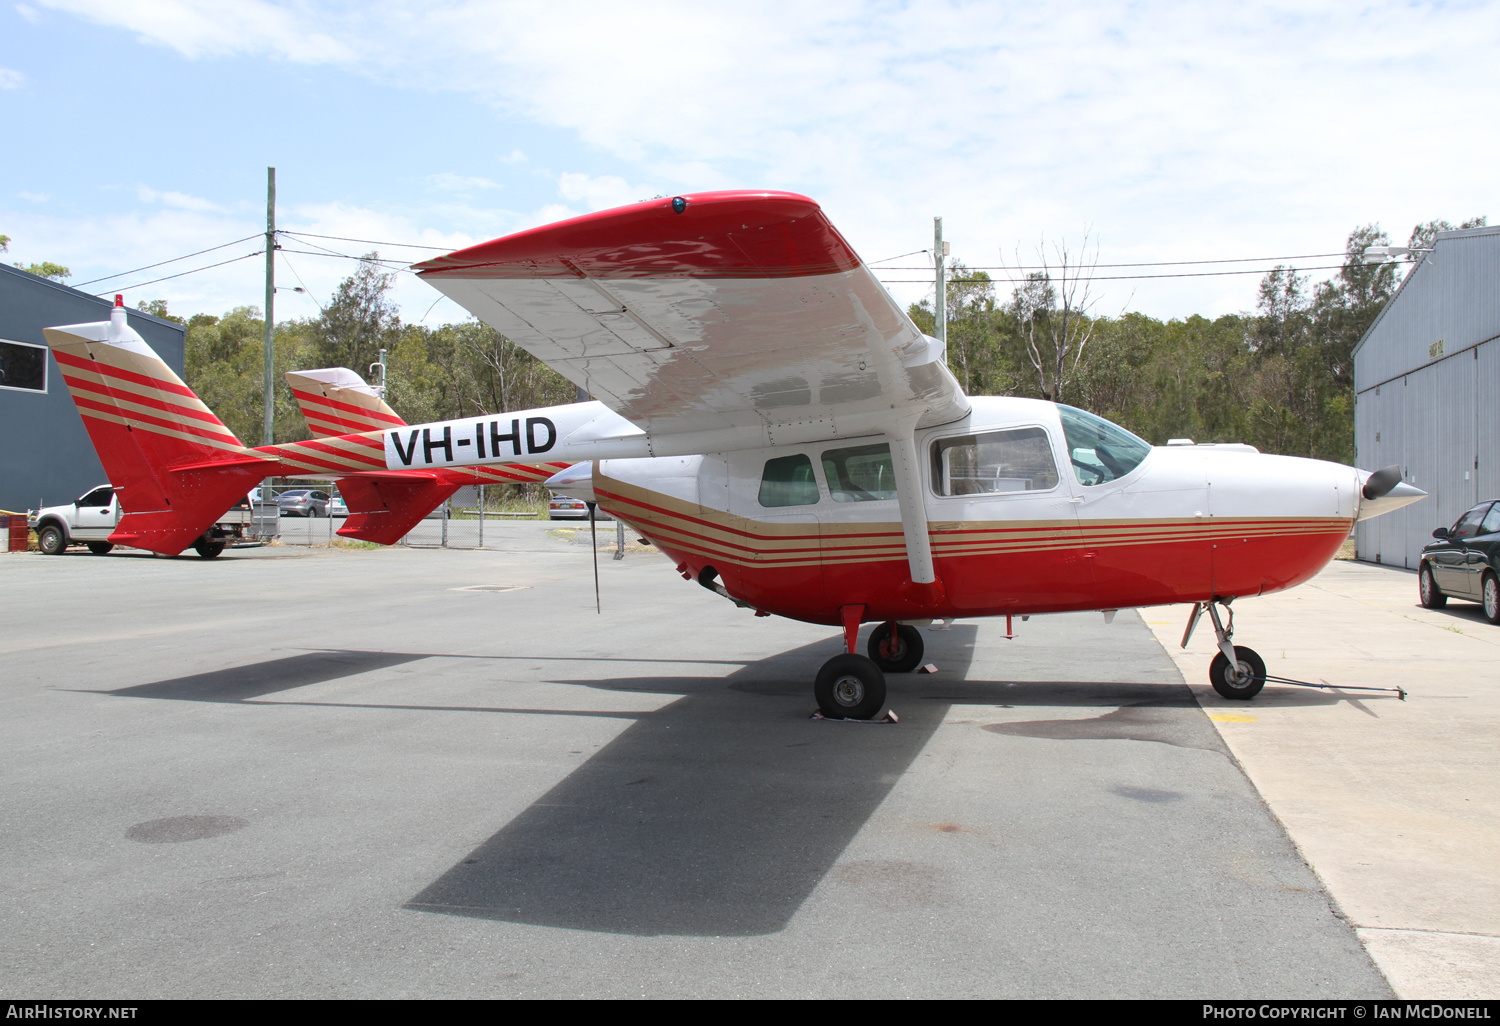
x=1100, y=451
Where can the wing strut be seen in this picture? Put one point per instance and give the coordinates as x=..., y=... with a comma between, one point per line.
x=908, y=466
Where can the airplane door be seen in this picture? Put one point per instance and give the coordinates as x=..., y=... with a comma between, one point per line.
x=774, y=530
x=1004, y=522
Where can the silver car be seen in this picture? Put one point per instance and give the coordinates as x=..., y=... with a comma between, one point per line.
x=303, y=502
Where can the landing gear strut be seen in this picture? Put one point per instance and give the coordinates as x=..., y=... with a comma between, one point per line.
x=851, y=686
x=1237, y=672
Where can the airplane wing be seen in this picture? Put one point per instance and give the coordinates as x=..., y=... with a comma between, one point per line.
x=724, y=314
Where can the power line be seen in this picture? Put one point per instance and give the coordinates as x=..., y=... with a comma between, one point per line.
x=1151, y=263
x=1109, y=277
x=396, y=265
x=898, y=256
x=174, y=260
x=375, y=242
x=153, y=281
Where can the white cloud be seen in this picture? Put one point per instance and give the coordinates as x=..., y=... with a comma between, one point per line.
x=463, y=185
x=34, y=197
x=1179, y=132
x=11, y=78
x=600, y=192
x=179, y=200
x=197, y=28
x=29, y=13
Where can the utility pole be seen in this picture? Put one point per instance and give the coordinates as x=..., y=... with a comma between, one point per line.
x=270, y=426
x=940, y=304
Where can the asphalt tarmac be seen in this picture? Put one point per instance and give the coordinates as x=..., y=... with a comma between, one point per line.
x=437, y=773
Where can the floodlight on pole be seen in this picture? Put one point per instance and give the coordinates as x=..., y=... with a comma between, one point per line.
x=1390, y=254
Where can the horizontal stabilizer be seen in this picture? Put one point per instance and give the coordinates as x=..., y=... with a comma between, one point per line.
x=383, y=507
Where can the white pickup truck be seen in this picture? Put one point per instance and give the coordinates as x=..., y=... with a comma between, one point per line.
x=92, y=519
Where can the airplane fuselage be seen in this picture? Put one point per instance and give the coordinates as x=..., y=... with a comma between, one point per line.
x=805, y=530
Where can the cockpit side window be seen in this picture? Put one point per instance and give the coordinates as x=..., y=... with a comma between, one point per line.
x=861, y=474
x=996, y=461
x=1100, y=451
x=788, y=481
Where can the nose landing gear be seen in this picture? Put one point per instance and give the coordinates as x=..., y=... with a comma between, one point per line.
x=1237, y=672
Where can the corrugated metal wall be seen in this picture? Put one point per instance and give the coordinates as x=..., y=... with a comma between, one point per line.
x=1435, y=415
x=1451, y=295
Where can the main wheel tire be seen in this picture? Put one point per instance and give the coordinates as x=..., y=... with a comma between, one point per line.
x=208, y=549
x=51, y=540
x=902, y=654
x=1432, y=597
x=850, y=687
x=100, y=548
x=1490, y=598
x=1242, y=682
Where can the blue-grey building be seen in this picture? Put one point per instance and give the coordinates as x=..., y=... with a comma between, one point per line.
x=1427, y=392
x=46, y=457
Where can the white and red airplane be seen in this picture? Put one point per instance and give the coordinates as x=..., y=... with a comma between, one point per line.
x=772, y=421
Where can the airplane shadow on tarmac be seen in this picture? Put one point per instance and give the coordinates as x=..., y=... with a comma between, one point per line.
x=716, y=815
x=719, y=813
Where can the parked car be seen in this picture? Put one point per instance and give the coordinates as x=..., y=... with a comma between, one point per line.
x=303, y=502
x=1464, y=562
x=565, y=507
x=92, y=517
x=336, y=506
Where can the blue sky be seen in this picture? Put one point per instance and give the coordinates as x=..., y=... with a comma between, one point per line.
x=140, y=131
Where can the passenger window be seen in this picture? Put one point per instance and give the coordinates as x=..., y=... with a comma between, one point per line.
x=788, y=481
x=1491, y=523
x=861, y=474
x=97, y=497
x=997, y=461
x=1468, y=524
x=1100, y=451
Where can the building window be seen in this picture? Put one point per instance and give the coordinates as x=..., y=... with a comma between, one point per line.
x=23, y=366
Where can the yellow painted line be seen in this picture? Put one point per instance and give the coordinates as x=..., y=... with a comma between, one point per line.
x=1232, y=718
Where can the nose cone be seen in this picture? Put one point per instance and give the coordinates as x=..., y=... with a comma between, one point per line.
x=576, y=482
x=1382, y=499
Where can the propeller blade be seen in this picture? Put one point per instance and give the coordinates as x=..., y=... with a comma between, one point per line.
x=1380, y=483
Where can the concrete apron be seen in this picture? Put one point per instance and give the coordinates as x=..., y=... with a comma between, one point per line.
x=1396, y=805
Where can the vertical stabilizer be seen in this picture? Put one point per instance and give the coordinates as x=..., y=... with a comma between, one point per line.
x=337, y=401
x=174, y=465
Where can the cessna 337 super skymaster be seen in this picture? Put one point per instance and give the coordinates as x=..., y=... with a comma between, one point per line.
x=772, y=420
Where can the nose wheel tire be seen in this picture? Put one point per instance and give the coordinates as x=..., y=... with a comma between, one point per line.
x=100, y=548
x=1427, y=588
x=1244, y=680
x=208, y=549
x=1490, y=591
x=901, y=654
x=850, y=687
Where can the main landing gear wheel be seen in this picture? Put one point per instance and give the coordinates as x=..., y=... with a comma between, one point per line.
x=100, y=548
x=850, y=687
x=901, y=654
x=1244, y=680
x=208, y=549
x=1427, y=588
